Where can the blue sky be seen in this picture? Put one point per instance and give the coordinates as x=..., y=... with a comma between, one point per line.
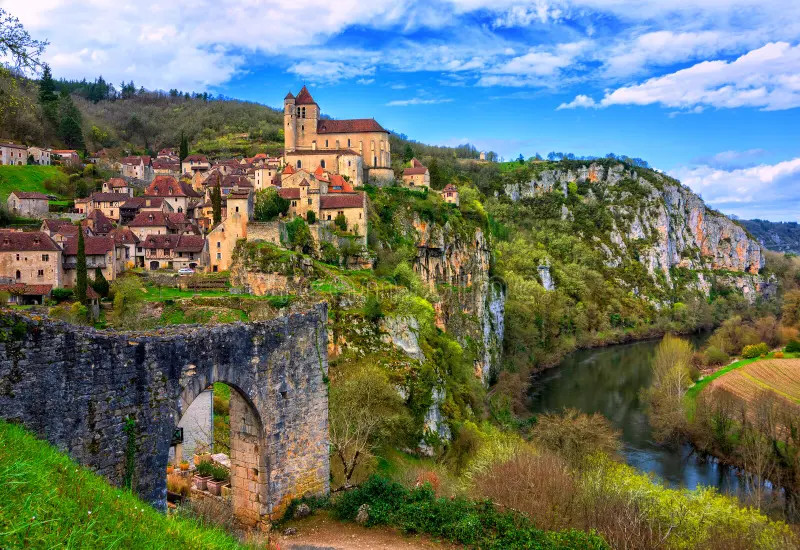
x=706, y=90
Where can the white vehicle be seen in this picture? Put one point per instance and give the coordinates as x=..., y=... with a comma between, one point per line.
x=185, y=271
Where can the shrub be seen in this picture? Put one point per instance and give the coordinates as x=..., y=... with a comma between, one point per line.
x=714, y=356
x=269, y=205
x=372, y=309
x=792, y=346
x=176, y=483
x=61, y=294
x=575, y=435
x=311, y=217
x=778, y=355
x=219, y=473
x=459, y=520
x=205, y=468
x=754, y=350
x=341, y=222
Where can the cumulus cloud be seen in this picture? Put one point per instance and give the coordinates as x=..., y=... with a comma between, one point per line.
x=579, y=101
x=765, y=190
x=767, y=78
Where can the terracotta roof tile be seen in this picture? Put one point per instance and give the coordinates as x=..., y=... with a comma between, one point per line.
x=29, y=195
x=334, y=202
x=304, y=98
x=94, y=246
x=289, y=193
x=168, y=186
x=24, y=241
x=329, y=126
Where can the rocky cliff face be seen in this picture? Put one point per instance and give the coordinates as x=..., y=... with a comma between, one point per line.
x=662, y=223
x=471, y=306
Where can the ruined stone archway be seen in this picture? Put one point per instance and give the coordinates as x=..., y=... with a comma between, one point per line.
x=78, y=387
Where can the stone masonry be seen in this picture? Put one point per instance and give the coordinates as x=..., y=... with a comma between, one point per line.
x=78, y=387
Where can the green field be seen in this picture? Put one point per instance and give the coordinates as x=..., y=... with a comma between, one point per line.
x=48, y=501
x=26, y=178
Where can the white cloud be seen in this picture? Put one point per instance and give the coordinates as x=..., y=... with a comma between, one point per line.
x=416, y=101
x=579, y=101
x=728, y=160
x=766, y=190
x=767, y=78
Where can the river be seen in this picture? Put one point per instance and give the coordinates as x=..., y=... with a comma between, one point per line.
x=608, y=380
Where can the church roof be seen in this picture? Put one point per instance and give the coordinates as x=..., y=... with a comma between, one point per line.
x=289, y=96
x=304, y=98
x=357, y=125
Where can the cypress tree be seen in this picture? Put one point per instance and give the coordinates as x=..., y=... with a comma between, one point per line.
x=216, y=202
x=100, y=284
x=184, y=149
x=82, y=282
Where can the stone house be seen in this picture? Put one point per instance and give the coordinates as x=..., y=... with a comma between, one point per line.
x=351, y=205
x=292, y=194
x=266, y=175
x=101, y=252
x=41, y=155
x=138, y=167
x=304, y=130
x=66, y=156
x=117, y=185
x=222, y=238
x=345, y=162
x=417, y=175
x=63, y=230
x=22, y=294
x=175, y=251
x=108, y=203
x=195, y=163
x=179, y=194
x=450, y=194
x=134, y=205
x=166, y=167
x=30, y=257
x=98, y=222
x=13, y=154
x=161, y=223
x=28, y=204
x=123, y=236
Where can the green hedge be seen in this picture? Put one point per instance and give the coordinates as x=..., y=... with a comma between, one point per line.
x=478, y=524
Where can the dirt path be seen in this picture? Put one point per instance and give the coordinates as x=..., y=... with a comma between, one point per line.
x=321, y=532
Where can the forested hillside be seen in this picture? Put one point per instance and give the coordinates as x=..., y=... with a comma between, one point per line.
x=777, y=236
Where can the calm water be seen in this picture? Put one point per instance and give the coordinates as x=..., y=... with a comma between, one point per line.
x=608, y=381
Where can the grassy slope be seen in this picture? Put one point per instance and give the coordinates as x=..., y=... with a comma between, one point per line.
x=48, y=501
x=26, y=178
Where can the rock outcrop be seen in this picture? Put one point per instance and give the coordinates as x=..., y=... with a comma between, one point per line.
x=661, y=222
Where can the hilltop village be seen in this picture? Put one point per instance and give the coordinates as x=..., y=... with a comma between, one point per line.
x=186, y=215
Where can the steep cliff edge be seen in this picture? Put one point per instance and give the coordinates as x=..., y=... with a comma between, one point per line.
x=658, y=222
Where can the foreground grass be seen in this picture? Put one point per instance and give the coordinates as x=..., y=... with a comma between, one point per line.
x=48, y=501
x=26, y=178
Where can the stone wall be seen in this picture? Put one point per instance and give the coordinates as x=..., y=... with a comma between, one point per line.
x=79, y=388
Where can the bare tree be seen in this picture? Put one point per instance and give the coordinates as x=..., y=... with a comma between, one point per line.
x=20, y=50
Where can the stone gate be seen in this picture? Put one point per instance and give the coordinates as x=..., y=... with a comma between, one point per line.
x=112, y=400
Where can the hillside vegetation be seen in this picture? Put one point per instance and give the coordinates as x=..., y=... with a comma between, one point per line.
x=27, y=178
x=777, y=236
x=48, y=501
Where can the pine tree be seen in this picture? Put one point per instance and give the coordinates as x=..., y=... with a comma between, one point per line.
x=184, y=149
x=408, y=153
x=47, y=86
x=100, y=284
x=81, y=283
x=216, y=202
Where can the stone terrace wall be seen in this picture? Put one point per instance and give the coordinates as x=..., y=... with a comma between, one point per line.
x=76, y=387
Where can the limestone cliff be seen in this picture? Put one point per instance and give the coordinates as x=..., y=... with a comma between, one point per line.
x=471, y=303
x=659, y=222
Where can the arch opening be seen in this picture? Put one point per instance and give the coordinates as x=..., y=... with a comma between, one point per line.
x=220, y=425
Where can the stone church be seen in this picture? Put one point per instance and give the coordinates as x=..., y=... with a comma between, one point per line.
x=339, y=146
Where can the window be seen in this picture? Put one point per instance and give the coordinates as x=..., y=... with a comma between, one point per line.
x=17, y=257
x=309, y=201
x=237, y=209
x=374, y=161
x=219, y=244
x=45, y=257
x=326, y=143
x=19, y=275
x=40, y=273
x=166, y=252
x=299, y=163
x=348, y=142
x=303, y=111
x=219, y=257
x=322, y=163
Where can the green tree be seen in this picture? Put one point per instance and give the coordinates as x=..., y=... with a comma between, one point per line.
x=299, y=235
x=47, y=86
x=311, y=217
x=100, y=284
x=216, y=203
x=128, y=295
x=81, y=282
x=184, y=147
x=365, y=412
x=408, y=153
x=269, y=205
x=69, y=126
x=340, y=221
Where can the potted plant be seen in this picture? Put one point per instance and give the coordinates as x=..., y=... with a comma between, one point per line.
x=177, y=488
x=201, y=455
x=170, y=469
x=203, y=473
x=184, y=466
x=219, y=477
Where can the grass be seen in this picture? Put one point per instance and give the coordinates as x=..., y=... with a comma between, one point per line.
x=26, y=178
x=155, y=294
x=48, y=501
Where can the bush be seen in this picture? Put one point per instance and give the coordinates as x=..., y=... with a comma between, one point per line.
x=778, y=355
x=311, y=217
x=372, y=309
x=341, y=222
x=176, y=483
x=754, y=350
x=219, y=473
x=713, y=356
x=205, y=468
x=793, y=346
x=61, y=294
x=269, y=205
x=462, y=521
